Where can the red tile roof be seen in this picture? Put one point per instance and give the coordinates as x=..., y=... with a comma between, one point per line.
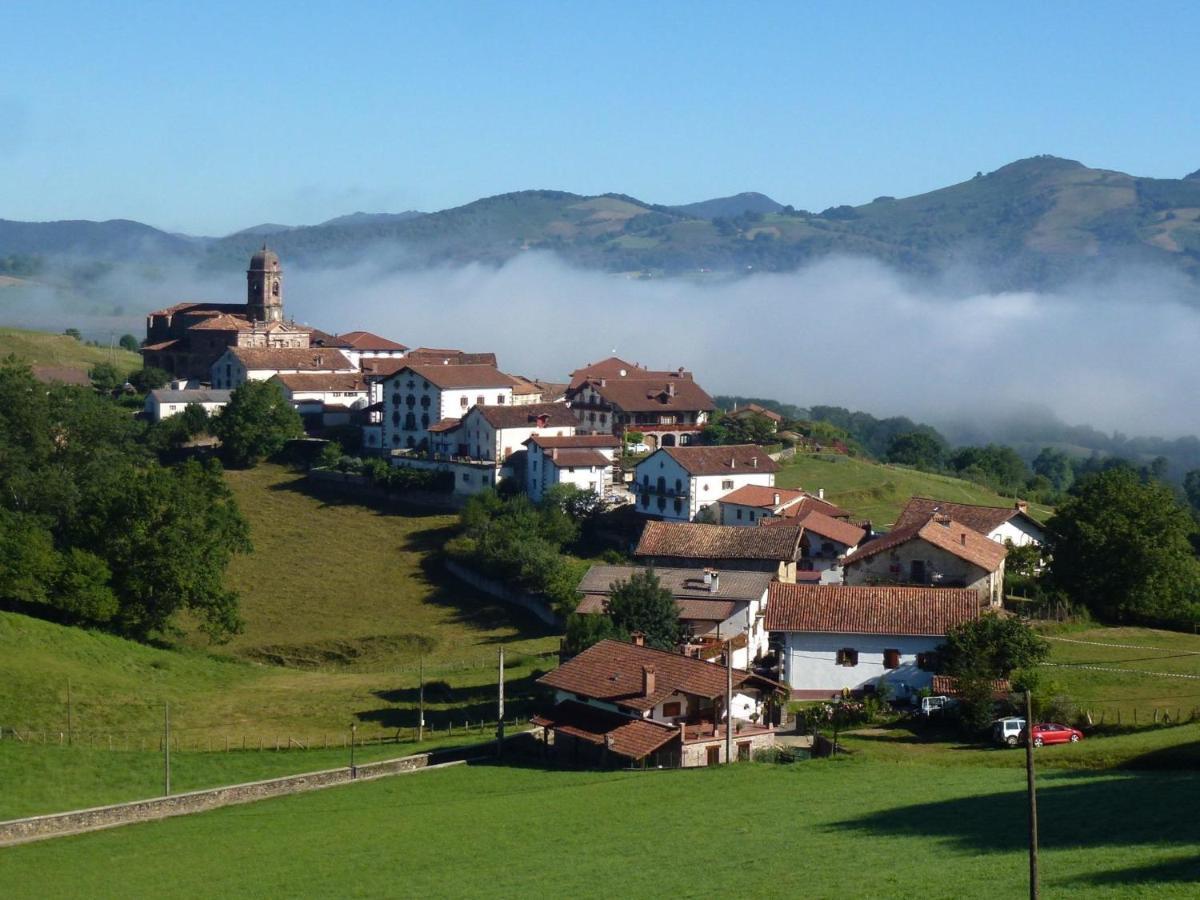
x=670, y=394
x=690, y=540
x=314, y=359
x=455, y=376
x=734, y=459
x=946, y=534
x=548, y=442
x=577, y=457
x=615, y=367
x=612, y=671
x=698, y=610
x=200, y=306
x=365, y=340
x=630, y=737
x=442, y=357
x=984, y=519
x=322, y=381
x=862, y=609
x=834, y=529
x=444, y=425
x=810, y=504
x=526, y=415
x=377, y=368
x=761, y=496
x=948, y=685
x=61, y=375
x=754, y=408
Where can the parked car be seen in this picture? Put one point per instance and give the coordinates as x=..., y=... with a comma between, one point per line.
x=936, y=705
x=1008, y=731
x=1053, y=733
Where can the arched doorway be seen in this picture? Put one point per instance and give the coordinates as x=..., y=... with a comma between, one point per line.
x=668, y=440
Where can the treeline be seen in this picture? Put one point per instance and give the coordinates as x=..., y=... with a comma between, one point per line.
x=95, y=529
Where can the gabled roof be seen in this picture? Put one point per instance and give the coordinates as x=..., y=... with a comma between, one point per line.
x=191, y=395
x=455, y=376
x=690, y=540
x=984, y=519
x=615, y=367
x=321, y=381
x=311, y=359
x=735, y=459
x=754, y=408
x=526, y=415
x=223, y=322
x=814, y=504
x=670, y=394
x=863, y=609
x=834, y=529
x=443, y=425
x=576, y=457
x=762, y=496
x=612, y=671
x=573, y=441
x=684, y=584
x=200, y=306
x=363, y=340
x=446, y=357
x=379, y=368
x=696, y=610
x=944, y=533
x=625, y=735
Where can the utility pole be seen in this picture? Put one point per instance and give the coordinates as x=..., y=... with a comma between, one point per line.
x=353, y=740
x=70, y=730
x=728, y=702
x=166, y=748
x=1033, y=822
x=500, y=711
x=421, y=698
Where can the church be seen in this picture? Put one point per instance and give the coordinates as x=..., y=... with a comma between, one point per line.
x=186, y=339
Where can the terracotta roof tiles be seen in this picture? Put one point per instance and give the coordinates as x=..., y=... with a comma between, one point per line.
x=732, y=459
x=690, y=540
x=944, y=533
x=862, y=609
x=627, y=736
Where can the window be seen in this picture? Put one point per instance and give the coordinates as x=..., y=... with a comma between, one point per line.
x=927, y=661
x=743, y=751
x=891, y=659
x=847, y=656
x=410, y=401
x=739, y=514
x=670, y=710
x=424, y=420
x=499, y=399
x=479, y=400
x=396, y=399
x=425, y=402
x=662, y=503
x=396, y=417
x=645, y=501
x=679, y=485
x=752, y=514
x=410, y=422
x=466, y=476
x=462, y=401
x=727, y=484
x=678, y=506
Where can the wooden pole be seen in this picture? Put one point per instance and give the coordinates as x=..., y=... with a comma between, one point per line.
x=70, y=729
x=500, y=710
x=421, y=698
x=1030, y=778
x=166, y=748
x=728, y=702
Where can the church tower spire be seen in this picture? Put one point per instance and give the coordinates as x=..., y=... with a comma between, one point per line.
x=264, y=287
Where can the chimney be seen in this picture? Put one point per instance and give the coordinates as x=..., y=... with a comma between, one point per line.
x=942, y=520
x=554, y=453
x=754, y=462
x=963, y=537
x=639, y=639
x=603, y=382
x=820, y=493
x=708, y=576
x=647, y=680
x=714, y=586
x=670, y=389
x=776, y=501
x=1022, y=506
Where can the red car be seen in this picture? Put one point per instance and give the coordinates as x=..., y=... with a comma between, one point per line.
x=1052, y=733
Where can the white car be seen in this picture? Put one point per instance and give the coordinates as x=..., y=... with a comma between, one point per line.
x=936, y=705
x=1008, y=730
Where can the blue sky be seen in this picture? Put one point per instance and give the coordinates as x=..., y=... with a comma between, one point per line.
x=208, y=117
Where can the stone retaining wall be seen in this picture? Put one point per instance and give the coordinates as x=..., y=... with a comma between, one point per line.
x=358, y=486
x=35, y=828
x=500, y=591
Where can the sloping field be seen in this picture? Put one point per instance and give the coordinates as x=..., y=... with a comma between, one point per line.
x=39, y=348
x=878, y=492
x=820, y=829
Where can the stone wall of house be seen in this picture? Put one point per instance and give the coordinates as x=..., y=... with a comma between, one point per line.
x=895, y=566
x=696, y=754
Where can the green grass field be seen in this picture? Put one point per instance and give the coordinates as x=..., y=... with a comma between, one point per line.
x=848, y=828
x=878, y=492
x=40, y=348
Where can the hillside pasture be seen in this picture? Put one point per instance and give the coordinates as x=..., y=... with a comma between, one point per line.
x=39, y=348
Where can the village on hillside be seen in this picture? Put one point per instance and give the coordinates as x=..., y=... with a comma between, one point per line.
x=781, y=595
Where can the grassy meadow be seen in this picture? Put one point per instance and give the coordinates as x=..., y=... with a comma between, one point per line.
x=849, y=828
x=39, y=348
x=878, y=492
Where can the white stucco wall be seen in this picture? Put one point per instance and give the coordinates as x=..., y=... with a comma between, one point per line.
x=810, y=661
x=693, y=493
x=1020, y=531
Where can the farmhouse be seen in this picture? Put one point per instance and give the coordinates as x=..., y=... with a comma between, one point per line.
x=614, y=396
x=166, y=402
x=687, y=544
x=324, y=399
x=619, y=702
x=753, y=503
x=714, y=607
x=186, y=339
x=418, y=395
x=938, y=552
x=1000, y=523
x=825, y=543
x=360, y=346
x=443, y=357
x=750, y=410
x=678, y=483
x=582, y=460
x=834, y=637
x=494, y=433
x=237, y=365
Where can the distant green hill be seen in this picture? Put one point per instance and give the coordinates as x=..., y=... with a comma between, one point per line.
x=37, y=348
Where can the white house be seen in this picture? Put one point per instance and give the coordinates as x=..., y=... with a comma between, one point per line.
x=237, y=365
x=677, y=483
x=361, y=345
x=825, y=543
x=752, y=504
x=166, y=402
x=999, y=523
x=583, y=460
x=495, y=433
x=418, y=395
x=833, y=637
x=714, y=607
x=325, y=398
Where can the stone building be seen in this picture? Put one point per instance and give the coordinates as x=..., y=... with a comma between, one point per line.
x=187, y=338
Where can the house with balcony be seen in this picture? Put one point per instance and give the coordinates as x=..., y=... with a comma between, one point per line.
x=999, y=523
x=938, y=552
x=614, y=397
x=418, y=395
x=360, y=346
x=324, y=400
x=620, y=703
x=825, y=542
x=583, y=460
x=497, y=433
x=753, y=504
x=774, y=550
x=716, y=608
x=679, y=483
x=835, y=638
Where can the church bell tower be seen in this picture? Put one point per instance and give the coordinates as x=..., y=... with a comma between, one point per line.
x=264, y=287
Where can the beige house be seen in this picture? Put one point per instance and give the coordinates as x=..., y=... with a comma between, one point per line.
x=938, y=552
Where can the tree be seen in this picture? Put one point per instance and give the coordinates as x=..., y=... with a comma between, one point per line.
x=991, y=647
x=917, y=448
x=105, y=377
x=256, y=423
x=1123, y=548
x=1191, y=488
x=130, y=343
x=1055, y=466
x=73, y=333
x=643, y=604
x=586, y=629
x=148, y=378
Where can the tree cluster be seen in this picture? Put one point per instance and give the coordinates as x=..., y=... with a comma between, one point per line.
x=638, y=605
x=93, y=529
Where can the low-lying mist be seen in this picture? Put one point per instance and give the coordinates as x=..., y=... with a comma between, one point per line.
x=1119, y=355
